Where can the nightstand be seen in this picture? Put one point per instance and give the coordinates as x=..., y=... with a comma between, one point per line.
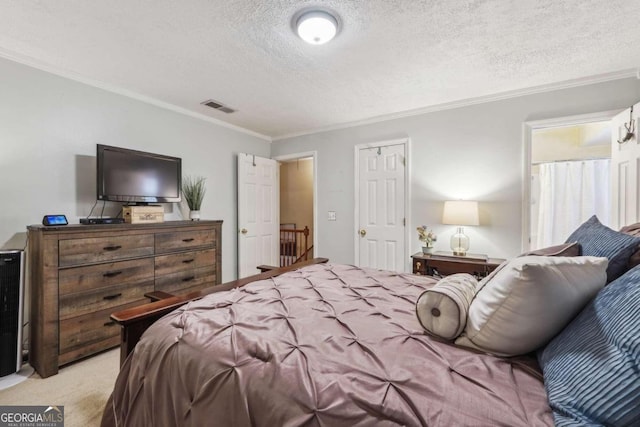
x=443, y=265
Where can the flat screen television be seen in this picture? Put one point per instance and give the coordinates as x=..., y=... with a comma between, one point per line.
x=137, y=177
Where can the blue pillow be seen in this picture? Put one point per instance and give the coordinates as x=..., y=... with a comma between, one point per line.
x=592, y=368
x=601, y=241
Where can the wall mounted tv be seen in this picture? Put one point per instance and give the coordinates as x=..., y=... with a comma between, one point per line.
x=131, y=176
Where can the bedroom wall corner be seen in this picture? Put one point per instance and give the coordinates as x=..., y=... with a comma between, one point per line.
x=50, y=128
x=471, y=152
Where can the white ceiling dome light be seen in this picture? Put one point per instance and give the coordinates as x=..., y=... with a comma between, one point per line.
x=317, y=26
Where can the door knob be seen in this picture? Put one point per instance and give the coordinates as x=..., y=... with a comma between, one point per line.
x=363, y=232
x=243, y=231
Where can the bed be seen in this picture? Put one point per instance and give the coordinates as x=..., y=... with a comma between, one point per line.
x=319, y=344
x=323, y=345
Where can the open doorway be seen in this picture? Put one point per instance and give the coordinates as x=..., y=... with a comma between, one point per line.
x=569, y=179
x=297, y=208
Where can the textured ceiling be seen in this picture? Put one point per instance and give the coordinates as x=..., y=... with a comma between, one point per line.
x=390, y=56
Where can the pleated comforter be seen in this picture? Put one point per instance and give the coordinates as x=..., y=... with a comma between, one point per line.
x=326, y=345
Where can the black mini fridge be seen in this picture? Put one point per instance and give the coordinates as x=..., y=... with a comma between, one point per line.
x=11, y=306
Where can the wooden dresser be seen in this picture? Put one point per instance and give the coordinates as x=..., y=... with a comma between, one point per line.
x=80, y=274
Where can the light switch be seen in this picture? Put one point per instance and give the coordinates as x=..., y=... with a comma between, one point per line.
x=331, y=215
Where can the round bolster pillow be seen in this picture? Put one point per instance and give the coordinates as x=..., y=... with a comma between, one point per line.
x=442, y=309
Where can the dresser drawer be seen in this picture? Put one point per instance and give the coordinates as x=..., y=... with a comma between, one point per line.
x=91, y=329
x=100, y=249
x=444, y=265
x=80, y=279
x=88, y=350
x=167, y=264
x=179, y=240
x=195, y=279
x=80, y=303
x=446, y=268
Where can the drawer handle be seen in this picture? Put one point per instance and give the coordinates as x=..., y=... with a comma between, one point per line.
x=114, y=296
x=188, y=261
x=112, y=248
x=188, y=240
x=111, y=323
x=188, y=279
x=112, y=274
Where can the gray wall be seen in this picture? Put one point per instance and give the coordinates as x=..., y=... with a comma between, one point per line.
x=49, y=128
x=473, y=152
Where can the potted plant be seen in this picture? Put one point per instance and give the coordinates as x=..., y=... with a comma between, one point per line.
x=427, y=237
x=193, y=190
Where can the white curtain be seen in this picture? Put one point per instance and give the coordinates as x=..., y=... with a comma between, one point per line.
x=570, y=192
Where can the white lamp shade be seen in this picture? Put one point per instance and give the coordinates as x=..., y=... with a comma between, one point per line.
x=460, y=212
x=317, y=27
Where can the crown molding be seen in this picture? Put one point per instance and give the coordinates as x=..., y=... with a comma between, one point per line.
x=30, y=62
x=600, y=78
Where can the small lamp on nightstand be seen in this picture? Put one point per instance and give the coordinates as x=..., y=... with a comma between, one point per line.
x=460, y=212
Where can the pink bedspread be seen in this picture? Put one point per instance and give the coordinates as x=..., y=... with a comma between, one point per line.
x=327, y=345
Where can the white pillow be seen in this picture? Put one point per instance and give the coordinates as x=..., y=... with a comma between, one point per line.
x=442, y=309
x=529, y=300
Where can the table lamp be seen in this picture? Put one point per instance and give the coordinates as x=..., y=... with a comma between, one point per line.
x=460, y=212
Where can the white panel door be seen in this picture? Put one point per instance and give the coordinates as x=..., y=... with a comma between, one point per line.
x=381, y=188
x=625, y=176
x=258, y=213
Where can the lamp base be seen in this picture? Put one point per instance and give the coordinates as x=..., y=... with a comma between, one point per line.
x=459, y=243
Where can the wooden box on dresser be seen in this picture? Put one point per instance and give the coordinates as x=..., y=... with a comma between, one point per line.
x=80, y=274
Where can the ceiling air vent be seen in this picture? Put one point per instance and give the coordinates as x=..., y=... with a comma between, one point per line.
x=218, y=106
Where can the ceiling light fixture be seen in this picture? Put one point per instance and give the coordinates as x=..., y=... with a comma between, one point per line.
x=317, y=27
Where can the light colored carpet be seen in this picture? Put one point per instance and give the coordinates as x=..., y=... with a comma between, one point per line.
x=82, y=388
